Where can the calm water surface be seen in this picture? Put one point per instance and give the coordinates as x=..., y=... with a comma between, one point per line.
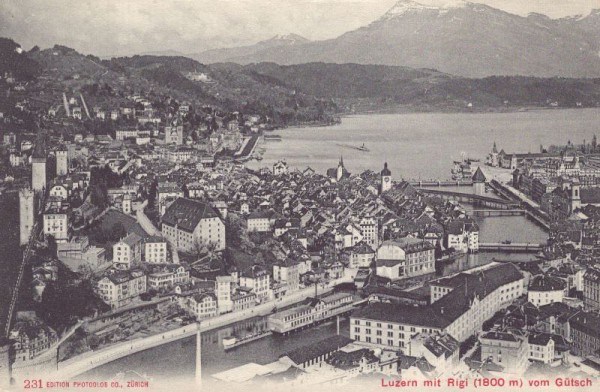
x=423, y=145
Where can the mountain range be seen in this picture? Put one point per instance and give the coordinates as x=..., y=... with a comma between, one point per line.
x=465, y=39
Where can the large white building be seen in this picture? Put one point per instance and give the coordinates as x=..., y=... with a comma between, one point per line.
x=406, y=257
x=469, y=299
x=189, y=224
x=544, y=290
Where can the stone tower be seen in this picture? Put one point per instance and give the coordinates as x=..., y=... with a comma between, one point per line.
x=26, y=214
x=38, y=166
x=62, y=162
x=479, y=182
x=5, y=373
x=575, y=194
x=386, y=179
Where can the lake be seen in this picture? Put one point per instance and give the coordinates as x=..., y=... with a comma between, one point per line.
x=424, y=145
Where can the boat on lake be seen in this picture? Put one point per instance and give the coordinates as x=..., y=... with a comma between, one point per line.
x=362, y=148
x=233, y=342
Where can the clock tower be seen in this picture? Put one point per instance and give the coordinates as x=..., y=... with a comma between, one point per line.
x=386, y=179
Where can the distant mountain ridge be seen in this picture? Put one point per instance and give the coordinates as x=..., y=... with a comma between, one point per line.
x=462, y=38
x=225, y=54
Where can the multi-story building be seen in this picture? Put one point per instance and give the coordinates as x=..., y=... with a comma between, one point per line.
x=167, y=191
x=468, y=300
x=225, y=286
x=544, y=290
x=202, y=306
x=287, y=271
x=31, y=338
x=168, y=275
x=128, y=251
x=189, y=224
x=406, y=257
x=261, y=221
x=541, y=347
x=463, y=235
x=370, y=231
x=591, y=288
x=242, y=300
x=312, y=310
x=154, y=250
x=361, y=255
x=119, y=288
x=56, y=223
x=122, y=134
x=440, y=350
x=585, y=333
x=508, y=350
x=259, y=280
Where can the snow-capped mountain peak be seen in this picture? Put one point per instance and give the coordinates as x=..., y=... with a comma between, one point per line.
x=290, y=38
x=406, y=6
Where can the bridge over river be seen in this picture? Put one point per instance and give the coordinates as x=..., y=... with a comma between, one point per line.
x=512, y=247
x=476, y=200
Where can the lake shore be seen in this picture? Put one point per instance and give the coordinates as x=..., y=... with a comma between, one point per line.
x=416, y=144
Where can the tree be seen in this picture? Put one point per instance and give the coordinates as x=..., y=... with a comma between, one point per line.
x=117, y=231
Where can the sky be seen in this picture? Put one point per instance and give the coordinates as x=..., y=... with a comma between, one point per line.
x=125, y=27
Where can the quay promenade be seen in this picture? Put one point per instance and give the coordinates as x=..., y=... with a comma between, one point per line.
x=82, y=363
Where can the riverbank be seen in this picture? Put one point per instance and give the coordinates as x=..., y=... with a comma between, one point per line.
x=91, y=359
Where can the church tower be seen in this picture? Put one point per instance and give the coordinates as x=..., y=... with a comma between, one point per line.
x=62, y=162
x=386, y=179
x=26, y=212
x=38, y=166
x=340, y=169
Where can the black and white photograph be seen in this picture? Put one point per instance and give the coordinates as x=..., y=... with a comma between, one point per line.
x=299, y=195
